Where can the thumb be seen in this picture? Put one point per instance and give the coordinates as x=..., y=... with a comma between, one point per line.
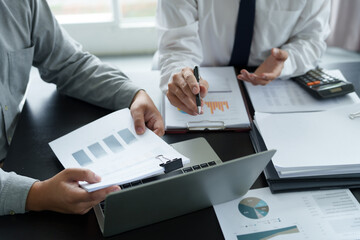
x=79, y=174
x=279, y=54
x=139, y=120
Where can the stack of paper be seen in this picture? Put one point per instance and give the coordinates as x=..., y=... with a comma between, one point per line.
x=315, y=139
x=313, y=143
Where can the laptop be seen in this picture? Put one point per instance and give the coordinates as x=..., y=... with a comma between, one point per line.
x=204, y=182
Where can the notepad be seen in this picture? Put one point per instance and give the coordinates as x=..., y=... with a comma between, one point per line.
x=224, y=106
x=110, y=147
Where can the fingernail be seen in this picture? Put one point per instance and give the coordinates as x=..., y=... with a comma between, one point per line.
x=115, y=189
x=97, y=178
x=276, y=51
x=194, y=90
x=139, y=130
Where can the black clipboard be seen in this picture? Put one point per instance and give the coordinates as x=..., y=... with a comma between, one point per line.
x=211, y=125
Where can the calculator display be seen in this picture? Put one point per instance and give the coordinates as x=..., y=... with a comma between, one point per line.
x=330, y=87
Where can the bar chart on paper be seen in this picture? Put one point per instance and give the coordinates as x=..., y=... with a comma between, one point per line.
x=223, y=106
x=110, y=148
x=212, y=106
x=218, y=105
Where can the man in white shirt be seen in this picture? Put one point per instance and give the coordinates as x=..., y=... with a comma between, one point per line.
x=288, y=39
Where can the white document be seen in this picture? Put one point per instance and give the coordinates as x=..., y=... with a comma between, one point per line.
x=330, y=215
x=313, y=143
x=111, y=148
x=287, y=96
x=224, y=105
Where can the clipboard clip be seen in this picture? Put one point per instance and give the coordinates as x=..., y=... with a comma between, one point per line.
x=168, y=164
x=205, y=125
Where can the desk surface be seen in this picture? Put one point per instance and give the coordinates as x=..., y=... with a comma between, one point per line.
x=44, y=110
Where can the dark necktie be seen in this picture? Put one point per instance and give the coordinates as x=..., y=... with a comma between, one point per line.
x=243, y=35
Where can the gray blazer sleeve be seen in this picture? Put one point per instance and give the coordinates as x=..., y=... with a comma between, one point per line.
x=76, y=73
x=14, y=191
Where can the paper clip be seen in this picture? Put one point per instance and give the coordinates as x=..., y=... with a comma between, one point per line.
x=168, y=164
x=354, y=115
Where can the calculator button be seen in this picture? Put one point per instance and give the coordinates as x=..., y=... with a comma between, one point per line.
x=313, y=83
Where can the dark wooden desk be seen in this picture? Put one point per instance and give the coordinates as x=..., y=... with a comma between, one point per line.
x=48, y=115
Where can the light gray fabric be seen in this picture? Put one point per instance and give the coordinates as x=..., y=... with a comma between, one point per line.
x=30, y=36
x=14, y=190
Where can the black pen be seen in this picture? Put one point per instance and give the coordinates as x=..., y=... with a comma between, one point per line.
x=198, y=99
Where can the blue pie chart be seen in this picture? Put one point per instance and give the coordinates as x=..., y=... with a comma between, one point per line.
x=253, y=208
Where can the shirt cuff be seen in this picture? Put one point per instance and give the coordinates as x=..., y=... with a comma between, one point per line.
x=14, y=193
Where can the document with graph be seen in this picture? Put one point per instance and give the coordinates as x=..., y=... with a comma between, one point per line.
x=325, y=214
x=110, y=147
x=224, y=106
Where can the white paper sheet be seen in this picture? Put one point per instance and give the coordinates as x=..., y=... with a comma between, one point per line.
x=287, y=96
x=321, y=143
x=224, y=104
x=331, y=215
x=110, y=147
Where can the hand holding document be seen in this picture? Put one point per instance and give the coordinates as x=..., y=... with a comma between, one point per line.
x=110, y=147
x=331, y=215
x=224, y=106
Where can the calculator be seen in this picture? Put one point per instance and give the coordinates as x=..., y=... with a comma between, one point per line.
x=322, y=85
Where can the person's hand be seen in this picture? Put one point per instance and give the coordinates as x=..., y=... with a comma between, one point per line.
x=144, y=111
x=269, y=70
x=182, y=90
x=63, y=194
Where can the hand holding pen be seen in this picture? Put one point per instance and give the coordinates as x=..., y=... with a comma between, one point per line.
x=184, y=88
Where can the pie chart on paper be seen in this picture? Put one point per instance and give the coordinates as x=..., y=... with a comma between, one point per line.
x=253, y=208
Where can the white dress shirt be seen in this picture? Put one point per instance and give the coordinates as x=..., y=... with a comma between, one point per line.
x=202, y=32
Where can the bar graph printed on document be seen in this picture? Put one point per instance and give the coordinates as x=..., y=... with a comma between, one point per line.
x=223, y=105
x=217, y=105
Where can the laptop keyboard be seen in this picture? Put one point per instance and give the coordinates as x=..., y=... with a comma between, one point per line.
x=162, y=176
